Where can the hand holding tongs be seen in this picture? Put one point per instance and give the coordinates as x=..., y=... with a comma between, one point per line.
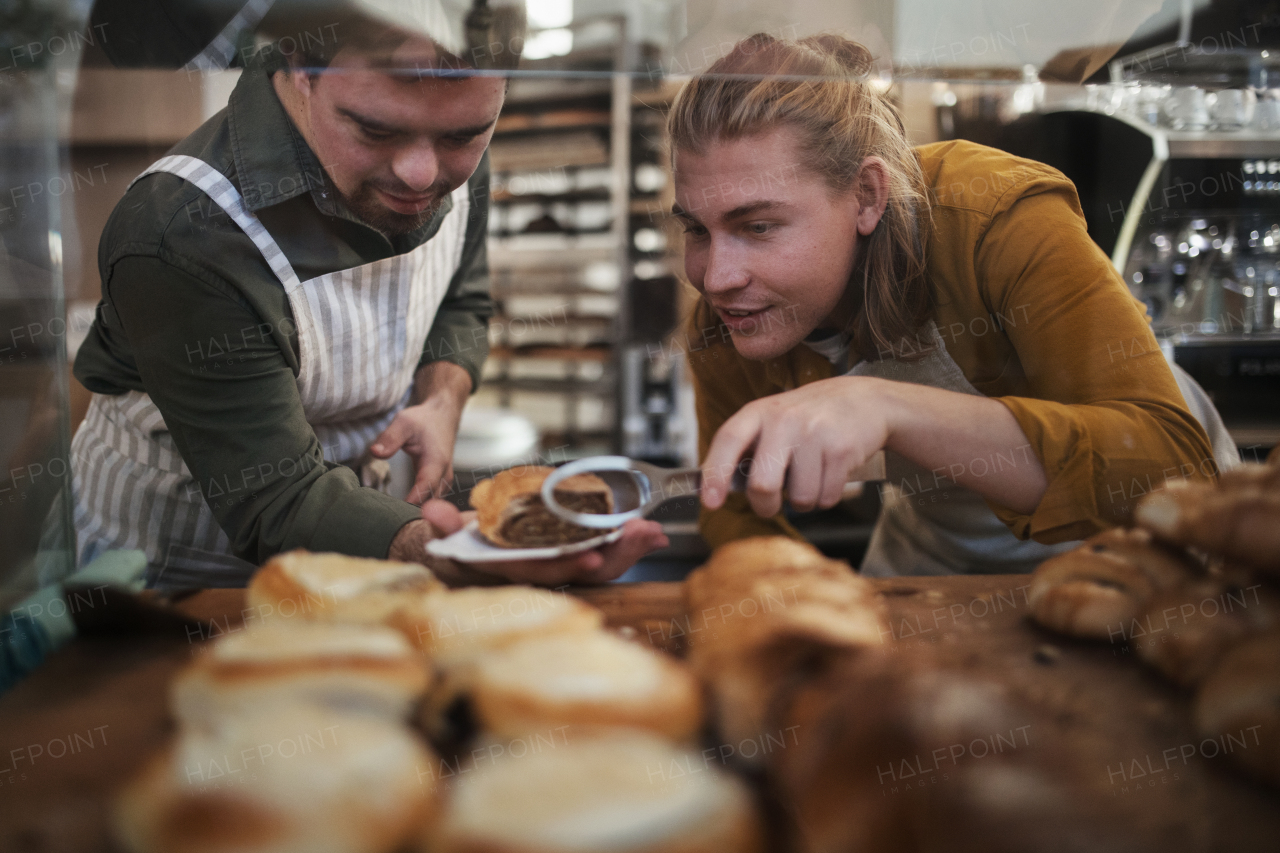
x=639, y=487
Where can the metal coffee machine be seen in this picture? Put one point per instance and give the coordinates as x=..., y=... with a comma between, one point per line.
x=1177, y=163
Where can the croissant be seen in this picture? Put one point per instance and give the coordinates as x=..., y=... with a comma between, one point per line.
x=1238, y=519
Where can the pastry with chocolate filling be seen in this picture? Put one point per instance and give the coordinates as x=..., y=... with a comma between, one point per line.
x=511, y=514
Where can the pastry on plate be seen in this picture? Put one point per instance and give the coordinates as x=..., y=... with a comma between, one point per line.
x=1097, y=590
x=510, y=512
x=335, y=587
x=621, y=792
x=584, y=681
x=353, y=668
x=297, y=781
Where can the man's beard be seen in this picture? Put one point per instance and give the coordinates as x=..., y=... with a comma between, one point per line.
x=369, y=210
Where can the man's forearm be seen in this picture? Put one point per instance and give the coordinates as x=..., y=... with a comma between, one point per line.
x=410, y=546
x=948, y=432
x=442, y=379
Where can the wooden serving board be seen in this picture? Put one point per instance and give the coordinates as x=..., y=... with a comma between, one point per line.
x=73, y=733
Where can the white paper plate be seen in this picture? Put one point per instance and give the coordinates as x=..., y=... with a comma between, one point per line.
x=468, y=546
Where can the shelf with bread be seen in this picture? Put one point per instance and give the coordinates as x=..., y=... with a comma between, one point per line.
x=557, y=241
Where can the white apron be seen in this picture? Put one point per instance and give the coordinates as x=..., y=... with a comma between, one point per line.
x=929, y=526
x=360, y=336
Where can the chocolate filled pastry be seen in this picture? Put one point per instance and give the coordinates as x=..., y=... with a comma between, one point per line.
x=1238, y=518
x=1239, y=706
x=1186, y=631
x=510, y=512
x=456, y=628
x=1097, y=590
x=366, y=669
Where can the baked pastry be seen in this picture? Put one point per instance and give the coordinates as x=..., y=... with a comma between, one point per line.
x=584, y=681
x=1238, y=518
x=764, y=611
x=298, y=781
x=335, y=587
x=1096, y=591
x=352, y=668
x=510, y=512
x=1238, y=706
x=623, y=792
x=1185, y=631
x=456, y=626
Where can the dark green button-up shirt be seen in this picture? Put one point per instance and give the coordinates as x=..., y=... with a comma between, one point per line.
x=192, y=314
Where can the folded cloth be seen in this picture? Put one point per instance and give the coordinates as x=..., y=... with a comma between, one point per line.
x=42, y=622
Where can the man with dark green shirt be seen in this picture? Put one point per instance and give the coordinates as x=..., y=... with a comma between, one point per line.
x=297, y=286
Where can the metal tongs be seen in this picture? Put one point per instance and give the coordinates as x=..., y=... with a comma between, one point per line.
x=639, y=487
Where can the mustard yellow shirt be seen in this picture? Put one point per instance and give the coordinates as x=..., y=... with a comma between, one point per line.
x=1036, y=317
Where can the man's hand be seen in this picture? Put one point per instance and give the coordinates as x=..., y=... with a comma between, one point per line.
x=808, y=439
x=597, y=566
x=805, y=441
x=427, y=430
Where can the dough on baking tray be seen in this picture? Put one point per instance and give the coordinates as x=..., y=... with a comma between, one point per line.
x=510, y=512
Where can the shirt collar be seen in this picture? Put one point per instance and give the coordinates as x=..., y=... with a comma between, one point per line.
x=274, y=163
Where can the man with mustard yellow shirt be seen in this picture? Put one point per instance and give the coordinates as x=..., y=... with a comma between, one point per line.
x=944, y=303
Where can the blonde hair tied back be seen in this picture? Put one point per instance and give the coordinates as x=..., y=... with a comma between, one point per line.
x=818, y=86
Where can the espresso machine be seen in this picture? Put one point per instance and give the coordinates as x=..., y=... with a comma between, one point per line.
x=1177, y=164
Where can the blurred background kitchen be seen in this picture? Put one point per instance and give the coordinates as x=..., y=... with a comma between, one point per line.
x=1166, y=116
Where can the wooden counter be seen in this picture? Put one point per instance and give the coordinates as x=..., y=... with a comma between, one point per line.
x=72, y=733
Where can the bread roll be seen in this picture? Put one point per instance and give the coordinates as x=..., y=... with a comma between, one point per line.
x=337, y=588
x=510, y=512
x=1239, y=706
x=622, y=792
x=1098, y=589
x=767, y=610
x=298, y=781
x=354, y=668
x=584, y=681
x=1239, y=518
x=456, y=628
x=1184, y=632
x=460, y=624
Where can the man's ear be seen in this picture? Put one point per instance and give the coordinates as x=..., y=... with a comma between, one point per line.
x=872, y=189
x=299, y=80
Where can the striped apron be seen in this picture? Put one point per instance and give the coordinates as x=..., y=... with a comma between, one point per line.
x=360, y=335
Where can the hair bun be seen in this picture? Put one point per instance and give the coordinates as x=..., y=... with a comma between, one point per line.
x=854, y=57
